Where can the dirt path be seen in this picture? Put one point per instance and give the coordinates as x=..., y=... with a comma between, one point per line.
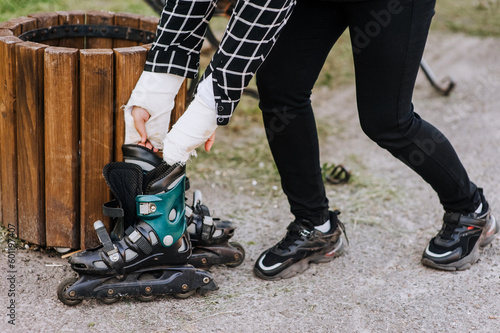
x=390, y=214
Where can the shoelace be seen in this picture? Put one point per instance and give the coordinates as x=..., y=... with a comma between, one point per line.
x=291, y=237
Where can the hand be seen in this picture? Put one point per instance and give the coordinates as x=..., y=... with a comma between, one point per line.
x=141, y=116
x=209, y=143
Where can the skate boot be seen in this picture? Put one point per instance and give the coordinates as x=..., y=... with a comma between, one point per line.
x=303, y=244
x=148, y=251
x=456, y=246
x=210, y=237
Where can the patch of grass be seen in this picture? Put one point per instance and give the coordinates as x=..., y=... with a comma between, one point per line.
x=473, y=17
x=240, y=154
x=339, y=66
x=15, y=8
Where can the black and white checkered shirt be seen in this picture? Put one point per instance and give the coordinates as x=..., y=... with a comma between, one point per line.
x=251, y=33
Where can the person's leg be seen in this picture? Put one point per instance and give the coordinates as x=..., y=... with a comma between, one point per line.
x=285, y=81
x=387, y=55
x=388, y=40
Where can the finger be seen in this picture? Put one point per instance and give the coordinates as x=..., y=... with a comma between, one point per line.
x=149, y=145
x=210, y=142
x=140, y=116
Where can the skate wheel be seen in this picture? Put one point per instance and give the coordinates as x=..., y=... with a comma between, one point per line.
x=238, y=260
x=148, y=298
x=185, y=295
x=63, y=288
x=109, y=300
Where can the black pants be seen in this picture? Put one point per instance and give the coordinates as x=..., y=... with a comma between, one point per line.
x=388, y=39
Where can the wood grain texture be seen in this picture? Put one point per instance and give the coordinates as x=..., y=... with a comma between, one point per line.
x=102, y=18
x=72, y=17
x=149, y=23
x=45, y=20
x=180, y=104
x=61, y=147
x=126, y=20
x=6, y=32
x=30, y=149
x=96, y=128
x=8, y=153
x=19, y=25
x=129, y=64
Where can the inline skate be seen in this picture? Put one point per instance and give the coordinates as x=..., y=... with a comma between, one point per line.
x=148, y=251
x=210, y=237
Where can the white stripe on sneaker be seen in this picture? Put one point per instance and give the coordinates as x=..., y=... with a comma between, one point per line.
x=268, y=268
x=435, y=255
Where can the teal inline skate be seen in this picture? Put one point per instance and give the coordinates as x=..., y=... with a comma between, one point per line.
x=147, y=253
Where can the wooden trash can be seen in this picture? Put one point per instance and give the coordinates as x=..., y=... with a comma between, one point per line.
x=64, y=78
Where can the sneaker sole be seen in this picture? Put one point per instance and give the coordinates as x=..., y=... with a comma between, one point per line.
x=466, y=262
x=318, y=258
x=460, y=265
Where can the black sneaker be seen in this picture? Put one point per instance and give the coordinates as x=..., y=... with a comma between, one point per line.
x=456, y=246
x=302, y=245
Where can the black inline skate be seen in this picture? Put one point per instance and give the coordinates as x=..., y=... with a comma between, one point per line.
x=210, y=237
x=148, y=251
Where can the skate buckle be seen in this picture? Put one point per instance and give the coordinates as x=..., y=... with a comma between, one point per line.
x=206, y=229
x=114, y=255
x=189, y=212
x=134, y=236
x=208, y=220
x=147, y=208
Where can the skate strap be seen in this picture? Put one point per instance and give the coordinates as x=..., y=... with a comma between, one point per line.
x=207, y=228
x=112, y=209
x=107, y=244
x=139, y=240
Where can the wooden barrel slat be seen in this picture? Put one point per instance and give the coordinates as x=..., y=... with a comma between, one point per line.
x=67, y=125
x=149, y=23
x=126, y=20
x=129, y=63
x=61, y=147
x=45, y=20
x=96, y=128
x=30, y=150
x=72, y=17
x=8, y=152
x=6, y=32
x=19, y=25
x=102, y=18
x=180, y=104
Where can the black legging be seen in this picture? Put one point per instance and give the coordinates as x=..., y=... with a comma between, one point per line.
x=388, y=39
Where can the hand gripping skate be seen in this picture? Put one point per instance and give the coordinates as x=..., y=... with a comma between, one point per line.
x=148, y=251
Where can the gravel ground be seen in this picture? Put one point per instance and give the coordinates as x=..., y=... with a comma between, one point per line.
x=390, y=214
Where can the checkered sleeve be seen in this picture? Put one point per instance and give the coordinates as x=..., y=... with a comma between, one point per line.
x=249, y=37
x=179, y=37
